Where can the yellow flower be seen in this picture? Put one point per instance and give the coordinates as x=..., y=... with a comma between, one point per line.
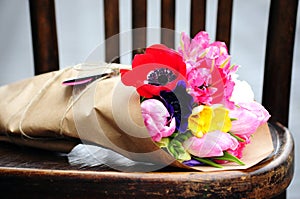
x=206, y=119
x=200, y=119
x=220, y=119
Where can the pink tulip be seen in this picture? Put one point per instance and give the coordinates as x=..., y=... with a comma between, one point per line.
x=208, y=69
x=200, y=76
x=211, y=144
x=249, y=116
x=156, y=116
x=190, y=49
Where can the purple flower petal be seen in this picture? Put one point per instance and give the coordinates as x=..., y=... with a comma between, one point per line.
x=179, y=104
x=192, y=163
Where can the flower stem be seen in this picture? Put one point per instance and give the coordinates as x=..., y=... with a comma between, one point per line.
x=229, y=157
x=237, y=137
x=209, y=162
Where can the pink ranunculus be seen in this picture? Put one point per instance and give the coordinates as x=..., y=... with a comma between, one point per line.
x=249, y=116
x=156, y=116
x=211, y=144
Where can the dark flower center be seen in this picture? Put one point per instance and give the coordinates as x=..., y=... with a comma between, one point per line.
x=179, y=104
x=203, y=87
x=161, y=76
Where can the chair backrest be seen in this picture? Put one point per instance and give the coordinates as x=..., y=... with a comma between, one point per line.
x=279, y=49
x=44, y=36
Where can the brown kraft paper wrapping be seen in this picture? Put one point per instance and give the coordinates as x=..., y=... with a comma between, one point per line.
x=43, y=113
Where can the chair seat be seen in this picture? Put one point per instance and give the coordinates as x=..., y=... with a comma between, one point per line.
x=31, y=173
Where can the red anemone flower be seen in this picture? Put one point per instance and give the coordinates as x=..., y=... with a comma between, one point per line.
x=160, y=68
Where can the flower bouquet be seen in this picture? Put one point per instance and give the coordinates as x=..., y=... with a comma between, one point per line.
x=192, y=103
x=184, y=108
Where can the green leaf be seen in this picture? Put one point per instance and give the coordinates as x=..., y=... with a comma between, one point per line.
x=172, y=150
x=184, y=136
x=208, y=162
x=237, y=137
x=164, y=142
x=184, y=156
x=142, y=99
x=173, y=135
x=231, y=158
x=177, y=150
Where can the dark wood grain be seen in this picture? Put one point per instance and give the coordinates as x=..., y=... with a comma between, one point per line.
x=112, y=38
x=224, y=21
x=139, y=24
x=279, y=58
x=44, y=38
x=36, y=173
x=168, y=22
x=198, y=11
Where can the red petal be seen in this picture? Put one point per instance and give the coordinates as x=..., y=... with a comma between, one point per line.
x=166, y=56
x=123, y=71
x=156, y=47
x=148, y=90
x=141, y=59
x=156, y=56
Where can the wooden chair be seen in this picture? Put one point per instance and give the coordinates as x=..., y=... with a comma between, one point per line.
x=35, y=173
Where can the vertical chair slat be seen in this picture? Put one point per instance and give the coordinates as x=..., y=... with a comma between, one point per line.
x=168, y=22
x=44, y=38
x=224, y=21
x=139, y=20
x=279, y=58
x=198, y=11
x=112, y=39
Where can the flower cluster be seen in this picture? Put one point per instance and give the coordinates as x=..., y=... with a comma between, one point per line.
x=192, y=102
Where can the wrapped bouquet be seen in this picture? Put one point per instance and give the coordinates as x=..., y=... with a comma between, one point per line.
x=186, y=108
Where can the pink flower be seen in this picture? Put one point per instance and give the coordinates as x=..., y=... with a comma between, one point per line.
x=249, y=116
x=156, y=121
x=201, y=76
x=208, y=69
x=238, y=152
x=191, y=49
x=211, y=144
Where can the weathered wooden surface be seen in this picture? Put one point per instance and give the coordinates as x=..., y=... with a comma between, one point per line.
x=44, y=37
x=139, y=24
x=35, y=173
x=198, y=12
x=279, y=59
x=224, y=21
x=168, y=23
x=111, y=24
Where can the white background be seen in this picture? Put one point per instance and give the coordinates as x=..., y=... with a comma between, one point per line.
x=80, y=29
